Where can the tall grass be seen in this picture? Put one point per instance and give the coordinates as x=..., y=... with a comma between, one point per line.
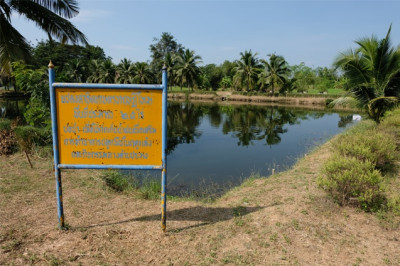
x=126, y=182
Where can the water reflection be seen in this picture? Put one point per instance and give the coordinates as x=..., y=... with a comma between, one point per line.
x=183, y=120
x=219, y=144
x=246, y=123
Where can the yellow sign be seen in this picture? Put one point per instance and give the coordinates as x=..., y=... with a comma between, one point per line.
x=109, y=126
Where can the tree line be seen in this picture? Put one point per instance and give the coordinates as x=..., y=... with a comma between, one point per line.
x=249, y=73
x=369, y=73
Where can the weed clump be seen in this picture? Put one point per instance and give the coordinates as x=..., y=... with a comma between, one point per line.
x=117, y=181
x=373, y=146
x=150, y=188
x=351, y=181
x=29, y=136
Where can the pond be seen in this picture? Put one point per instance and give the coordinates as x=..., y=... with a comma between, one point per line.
x=218, y=146
x=212, y=147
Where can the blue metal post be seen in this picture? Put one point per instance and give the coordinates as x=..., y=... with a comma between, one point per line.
x=57, y=170
x=164, y=148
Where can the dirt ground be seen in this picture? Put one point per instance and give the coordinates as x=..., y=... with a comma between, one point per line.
x=284, y=219
x=226, y=97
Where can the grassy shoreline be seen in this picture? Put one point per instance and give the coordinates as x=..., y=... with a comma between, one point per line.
x=283, y=219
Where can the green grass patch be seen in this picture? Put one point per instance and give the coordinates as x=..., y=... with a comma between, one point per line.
x=150, y=188
x=118, y=181
x=146, y=188
x=29, y=136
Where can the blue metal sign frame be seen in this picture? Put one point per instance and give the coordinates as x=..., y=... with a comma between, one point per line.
x=57, y=166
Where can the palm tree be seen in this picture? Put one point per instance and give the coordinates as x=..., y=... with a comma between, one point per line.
x=275, y=72
x=143, y=74
x=94, y=68
x=247, y=70
x=75, y=71
x=102, y=71
x=125, y=72
x=49, y=15
x=170, y=62
x=373, y=74
x=187, y=69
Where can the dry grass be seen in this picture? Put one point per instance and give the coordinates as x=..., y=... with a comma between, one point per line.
x=284, y=219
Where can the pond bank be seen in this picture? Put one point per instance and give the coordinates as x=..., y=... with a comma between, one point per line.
x=283, y=219
x=310, y=102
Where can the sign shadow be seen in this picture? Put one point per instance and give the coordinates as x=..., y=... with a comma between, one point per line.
x=203, y=215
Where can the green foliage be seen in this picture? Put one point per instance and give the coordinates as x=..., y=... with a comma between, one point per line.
x=187, y=70
x=275, y=74
x=391, y=124
x=37, y=114
x=304, y=76
x=5, y=124
x=353, y=176
x=65, y=57
x=328, y=101
x=118, y=181
x=143, y=74
x=150, y=188
x=28, y=137
x=372, y=73
x=50, y=16
x=163, y=46
x=247, y=70
x=353, y=182
x=371, y=145
x=225, y=83
x=32, y=81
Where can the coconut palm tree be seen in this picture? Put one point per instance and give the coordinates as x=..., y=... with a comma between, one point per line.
x=275, y=72
x=125, y=72
x=94, y=68
x=143, y=74
x=49, y=15
x=170, y=62
x=75, y=70
x=247, y=70
x=102, y=71
x=373, y=74
x=187, y=70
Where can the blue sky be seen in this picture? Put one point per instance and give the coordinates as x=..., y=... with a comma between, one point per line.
x=313, y=32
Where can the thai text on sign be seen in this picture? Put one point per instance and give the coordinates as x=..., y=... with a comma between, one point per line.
x=109, y=127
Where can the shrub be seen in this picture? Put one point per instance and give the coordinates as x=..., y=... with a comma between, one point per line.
x=328, y=101
x=5, y=124
x=7, y=138
x=373, y=146
x=37, y=114
x=28, y=136
x=391, y=123
x=353, y=182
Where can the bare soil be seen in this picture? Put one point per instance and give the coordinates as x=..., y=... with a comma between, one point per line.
x=308, y=102
x=283, y=219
